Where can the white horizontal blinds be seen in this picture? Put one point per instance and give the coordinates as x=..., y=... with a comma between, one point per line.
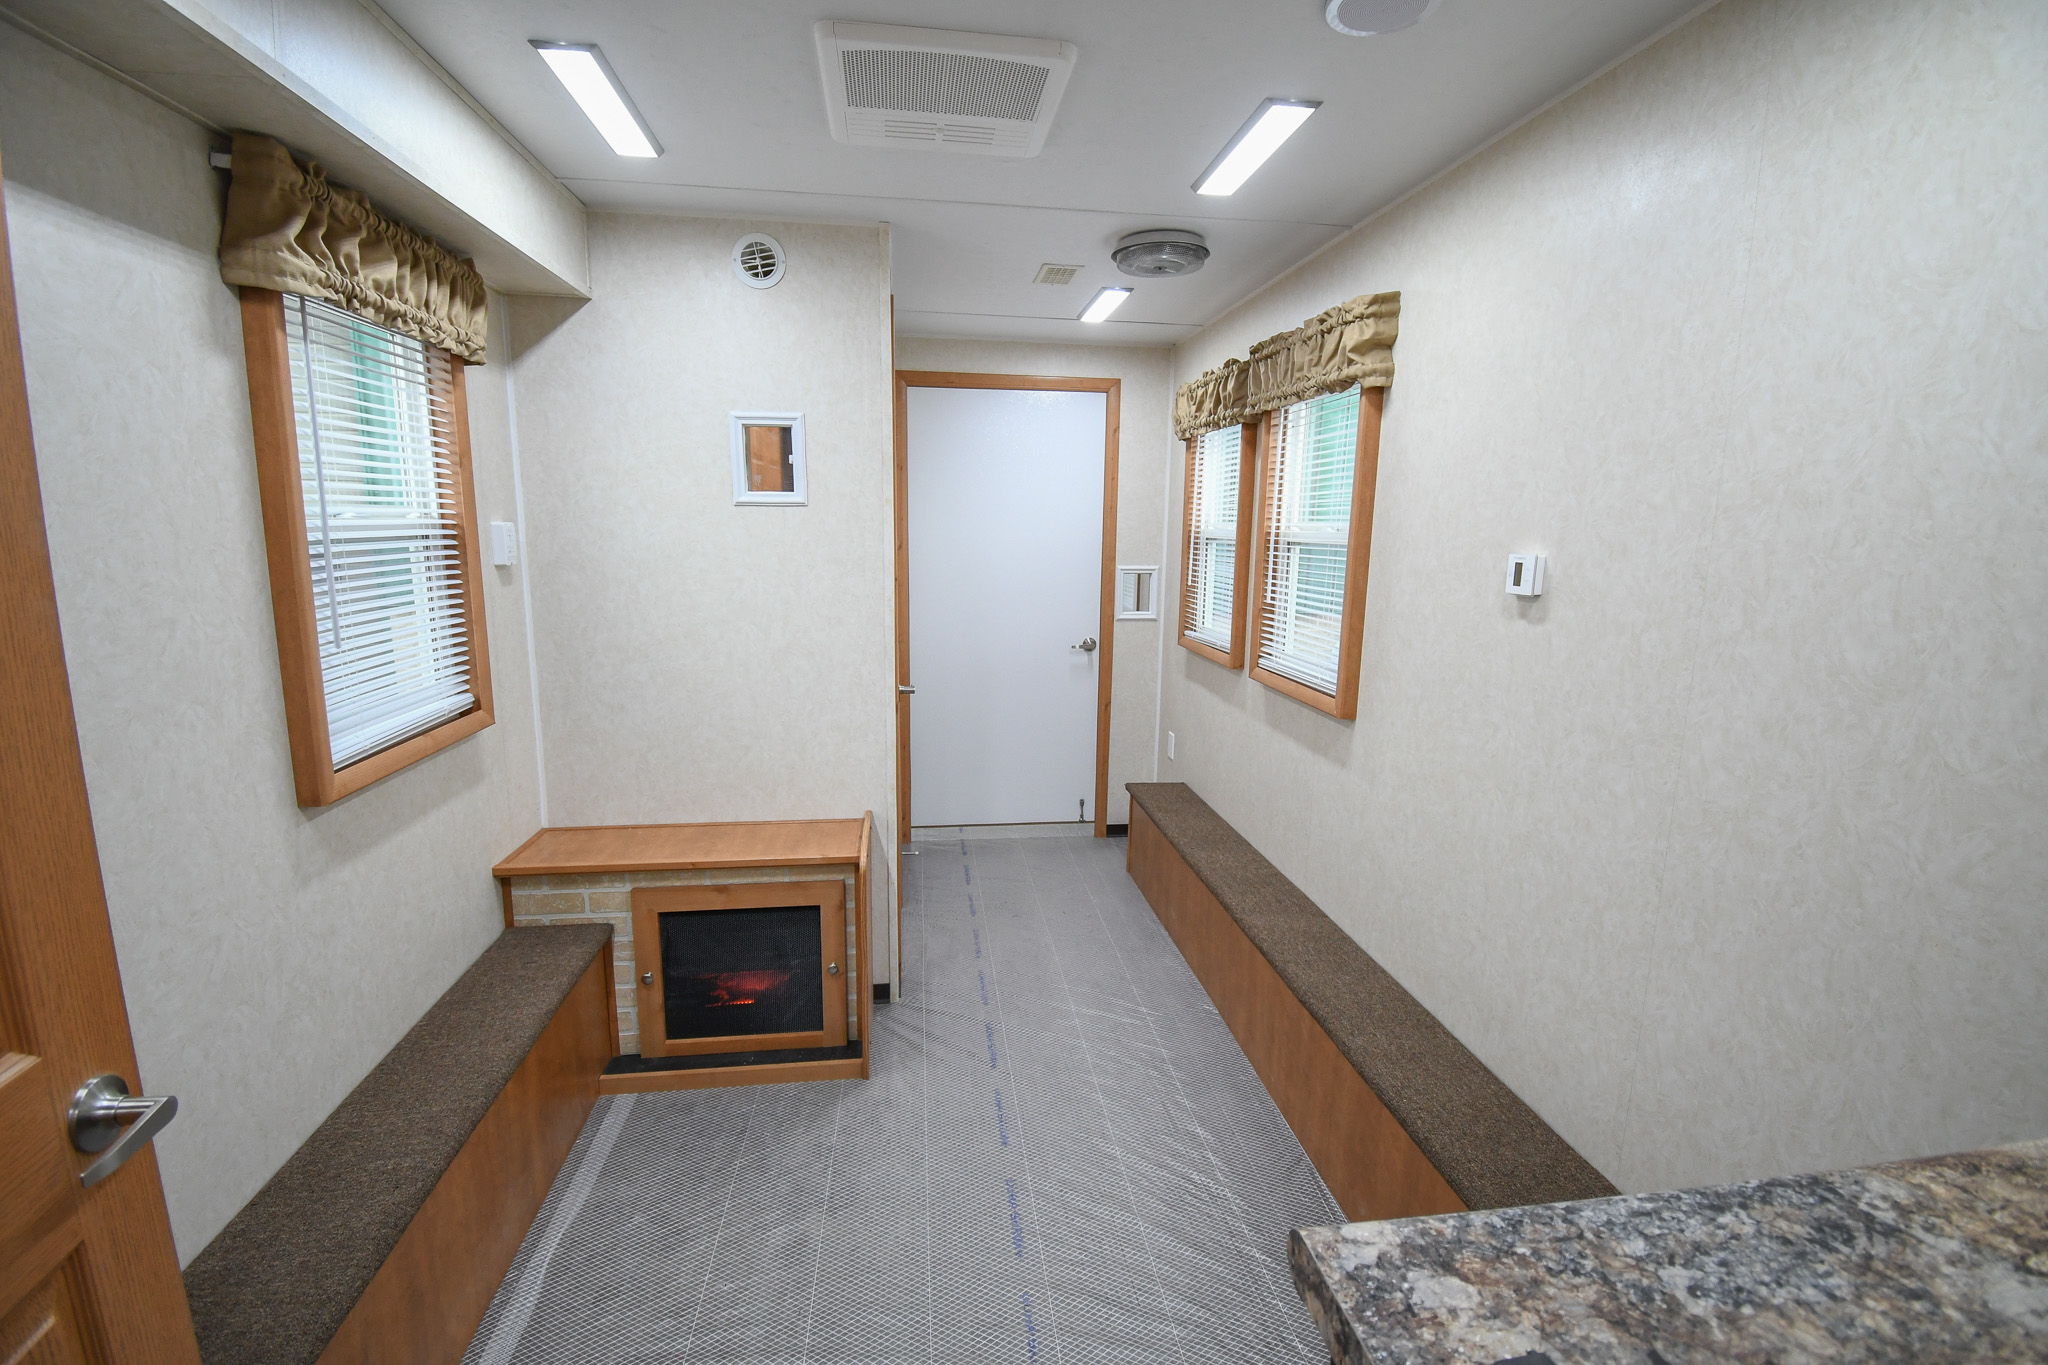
x=1308, y=534
x=1211, y=588
x=377, y=464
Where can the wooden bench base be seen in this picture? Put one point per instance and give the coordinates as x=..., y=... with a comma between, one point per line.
x=424, y=1305
x=1364, y=1155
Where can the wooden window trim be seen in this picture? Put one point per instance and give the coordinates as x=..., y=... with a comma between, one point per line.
x=1248, y=452
x=1357, y=565
x=318, y=782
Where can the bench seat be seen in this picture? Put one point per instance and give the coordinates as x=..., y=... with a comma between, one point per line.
x=385, y=1234
x=1341, y=1010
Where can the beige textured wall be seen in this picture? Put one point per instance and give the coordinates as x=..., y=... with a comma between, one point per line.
x=1728, y=854
x=701, y=661
x=1145, y=450
x=270, y=955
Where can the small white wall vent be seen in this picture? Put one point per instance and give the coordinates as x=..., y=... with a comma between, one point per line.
x=889, y=86
x=1056, y=274
x=758, y=260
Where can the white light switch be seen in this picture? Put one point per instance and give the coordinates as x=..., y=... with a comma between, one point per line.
x=1169, y=744
x=504, y=544
x=1525, y=575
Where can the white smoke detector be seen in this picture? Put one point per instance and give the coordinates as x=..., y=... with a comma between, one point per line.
x=758, y=260
x=1370, y=18
x=1160, y=251
x=936, y=90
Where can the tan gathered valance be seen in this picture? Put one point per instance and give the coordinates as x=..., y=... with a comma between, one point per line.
x=1352, y=343
x=288, y=229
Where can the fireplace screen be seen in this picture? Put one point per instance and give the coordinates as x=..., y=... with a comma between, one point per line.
x=727, y=973
x=740, y=967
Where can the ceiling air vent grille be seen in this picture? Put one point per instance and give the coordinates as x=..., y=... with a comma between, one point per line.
x=942, y=83
x=887, y=86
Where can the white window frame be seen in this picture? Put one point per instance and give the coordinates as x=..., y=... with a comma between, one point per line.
x=742, y=494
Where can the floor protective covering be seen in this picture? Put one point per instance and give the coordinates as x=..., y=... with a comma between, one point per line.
x=1062, y=1156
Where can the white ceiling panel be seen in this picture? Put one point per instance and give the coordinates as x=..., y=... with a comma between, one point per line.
x=732, y=90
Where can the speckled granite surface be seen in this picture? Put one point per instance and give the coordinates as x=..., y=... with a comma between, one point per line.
x=1944, y=1259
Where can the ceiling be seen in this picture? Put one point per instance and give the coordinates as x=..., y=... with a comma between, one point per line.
x=732, y=90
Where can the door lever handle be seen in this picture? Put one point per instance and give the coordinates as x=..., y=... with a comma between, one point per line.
x=1087, y=646
x=101, y=1109
x=905, y=688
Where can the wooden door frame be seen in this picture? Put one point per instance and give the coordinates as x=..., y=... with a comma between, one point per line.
x=1112, y=391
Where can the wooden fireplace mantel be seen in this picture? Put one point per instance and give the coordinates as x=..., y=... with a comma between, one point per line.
x=596, y=862
x=660, y=848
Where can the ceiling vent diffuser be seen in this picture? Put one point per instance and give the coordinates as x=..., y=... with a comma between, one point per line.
x=888, y=86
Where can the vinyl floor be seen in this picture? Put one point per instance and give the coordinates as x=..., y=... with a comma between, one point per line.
x=1061, y=1156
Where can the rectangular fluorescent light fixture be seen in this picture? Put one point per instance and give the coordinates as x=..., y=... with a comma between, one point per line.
x=591, y=82
x=1106, y=301
x=1271, y=124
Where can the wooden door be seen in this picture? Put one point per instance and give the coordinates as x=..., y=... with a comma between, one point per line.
x=85, y=1274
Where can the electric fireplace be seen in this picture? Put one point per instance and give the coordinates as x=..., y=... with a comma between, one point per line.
x=742, y=967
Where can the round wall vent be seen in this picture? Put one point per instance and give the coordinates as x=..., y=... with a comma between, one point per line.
x=758, y=260
x=1160, y=251
x=1368, y=18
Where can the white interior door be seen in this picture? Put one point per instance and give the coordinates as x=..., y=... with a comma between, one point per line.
x=1005, y=524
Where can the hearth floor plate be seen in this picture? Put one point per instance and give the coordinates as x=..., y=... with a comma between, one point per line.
x=633, y=1064
x=1061, y=1156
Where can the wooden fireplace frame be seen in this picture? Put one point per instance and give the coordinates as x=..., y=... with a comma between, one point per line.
x=650, y=903
x=563, y=863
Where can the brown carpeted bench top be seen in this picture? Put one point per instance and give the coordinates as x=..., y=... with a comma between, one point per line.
x=275, y=1285
x=1490, y=1147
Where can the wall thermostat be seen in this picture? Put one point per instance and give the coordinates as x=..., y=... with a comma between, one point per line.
x=1525, y=575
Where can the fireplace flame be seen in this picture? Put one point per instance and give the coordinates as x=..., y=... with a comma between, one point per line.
x=741, y=988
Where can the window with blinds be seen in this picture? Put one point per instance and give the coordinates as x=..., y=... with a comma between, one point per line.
x=1209, y=590
x=1306, y=538
x=382, y=481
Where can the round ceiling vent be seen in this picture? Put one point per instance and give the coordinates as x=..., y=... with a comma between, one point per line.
x=1368, y=18
x=758, y=260
x=1160, y=251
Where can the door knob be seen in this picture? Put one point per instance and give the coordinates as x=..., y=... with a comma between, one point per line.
x=833, y=969
x=647, y=978
x=1087, y=646
x=101, y=1109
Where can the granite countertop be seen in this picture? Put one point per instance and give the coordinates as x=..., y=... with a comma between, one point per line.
x=1944, y=1259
